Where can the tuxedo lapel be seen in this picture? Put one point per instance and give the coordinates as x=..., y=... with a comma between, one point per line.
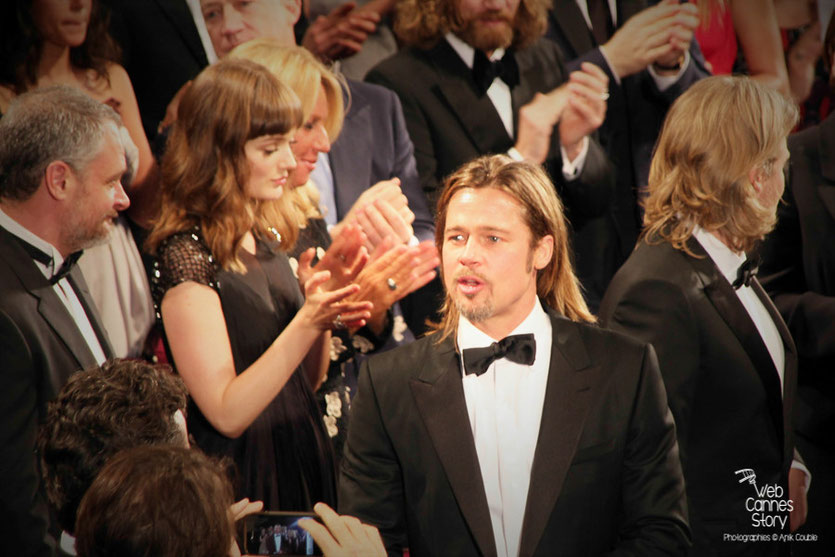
x=180, y=16
x=439, y=397
x=569, y=19
x=790, y=367
x=567, y=401
x=352, y=174
x=82, y=291
x=476, y=113
x=724, y=299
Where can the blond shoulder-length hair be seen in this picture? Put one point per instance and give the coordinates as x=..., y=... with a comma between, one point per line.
x=423, y=22
x=298, y=69
x=205, y=169
x=528, y=184
x=715, y=134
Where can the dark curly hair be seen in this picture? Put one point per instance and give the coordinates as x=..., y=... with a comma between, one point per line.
x=100, y=411
x=21, y=45
x=424, y=22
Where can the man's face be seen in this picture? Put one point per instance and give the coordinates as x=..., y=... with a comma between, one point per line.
x=98, y=195
x=488, y=24
x=232, y=22
x=488, y=263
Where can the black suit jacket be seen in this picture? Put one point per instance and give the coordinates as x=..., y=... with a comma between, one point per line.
x=451, y=123
x=721, y=384
x=161, y=50
x=798, y=270
x=40, y=347
x=605, y=476
x=634, y=116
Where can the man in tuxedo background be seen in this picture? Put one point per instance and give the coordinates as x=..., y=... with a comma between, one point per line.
x=62, y=157
x=518, y=428
x=728, y=361
x=476, y=77
x=650, y=58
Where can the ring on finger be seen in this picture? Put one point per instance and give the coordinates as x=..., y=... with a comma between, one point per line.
x=338, y=323
x=604, y=95
x=391, y=284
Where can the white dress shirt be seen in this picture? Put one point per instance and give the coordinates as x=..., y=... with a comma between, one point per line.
x=62, y=288
x=499, y=95
x=505, y=409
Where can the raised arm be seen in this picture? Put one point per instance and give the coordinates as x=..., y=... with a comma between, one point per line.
x=196, y=332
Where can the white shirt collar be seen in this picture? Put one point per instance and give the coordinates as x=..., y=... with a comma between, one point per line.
x=727, y=260
x=13, y=227
x=466, y=52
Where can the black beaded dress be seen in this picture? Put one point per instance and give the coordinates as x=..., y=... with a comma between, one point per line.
x=285, y=457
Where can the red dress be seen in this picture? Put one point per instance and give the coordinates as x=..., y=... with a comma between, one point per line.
x=718, y=41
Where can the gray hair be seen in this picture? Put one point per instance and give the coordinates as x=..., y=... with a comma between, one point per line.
x=56, y=123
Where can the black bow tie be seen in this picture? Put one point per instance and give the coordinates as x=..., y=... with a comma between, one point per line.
x=44, y=258
x=486, y=71
x=746, y=272
x=516, y=348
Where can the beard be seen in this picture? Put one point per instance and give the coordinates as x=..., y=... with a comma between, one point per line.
x=476, y=34
x=473, y=311
x=86, y=233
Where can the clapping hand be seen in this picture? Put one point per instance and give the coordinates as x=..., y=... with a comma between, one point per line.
x=344, y=259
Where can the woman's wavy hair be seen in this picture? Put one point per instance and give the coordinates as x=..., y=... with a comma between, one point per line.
x=715, y=134
x=423, y=22
x=528, y=184
x=21, y=45
x=302, y=72
x=205, y=169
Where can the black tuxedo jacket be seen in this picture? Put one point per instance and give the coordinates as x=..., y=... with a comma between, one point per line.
x=161, y=50
x=721, y=384
x=606, y=474
x=451, y=123
x=634, y=116
x=798, y=271
x=40, y=347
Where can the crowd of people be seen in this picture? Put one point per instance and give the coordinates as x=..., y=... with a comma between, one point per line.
x=484, y=277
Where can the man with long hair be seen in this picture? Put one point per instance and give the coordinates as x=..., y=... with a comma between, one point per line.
x=727, y=358
x=518, y=428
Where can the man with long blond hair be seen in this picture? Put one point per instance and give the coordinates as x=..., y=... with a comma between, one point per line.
x=519, y=428
x=728, y=361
